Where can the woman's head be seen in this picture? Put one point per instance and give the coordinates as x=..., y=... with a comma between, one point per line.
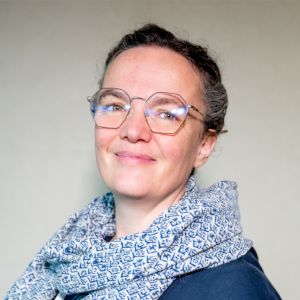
x=213, y=93
x=133, y=160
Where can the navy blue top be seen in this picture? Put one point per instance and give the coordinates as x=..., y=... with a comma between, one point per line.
x=241, y=279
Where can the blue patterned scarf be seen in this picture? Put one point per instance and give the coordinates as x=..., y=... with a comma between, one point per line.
x=202, y=230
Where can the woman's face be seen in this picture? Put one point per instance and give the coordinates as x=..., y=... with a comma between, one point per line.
x=133, y=161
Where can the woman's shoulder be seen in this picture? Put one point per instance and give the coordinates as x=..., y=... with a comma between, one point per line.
x=239, y=279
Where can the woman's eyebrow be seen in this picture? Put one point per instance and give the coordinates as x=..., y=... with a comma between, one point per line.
x=115, y=93
x=166, y=100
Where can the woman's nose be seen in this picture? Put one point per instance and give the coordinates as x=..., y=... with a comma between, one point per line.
x=135, y=127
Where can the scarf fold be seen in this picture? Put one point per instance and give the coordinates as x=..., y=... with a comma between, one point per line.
x=202, y=230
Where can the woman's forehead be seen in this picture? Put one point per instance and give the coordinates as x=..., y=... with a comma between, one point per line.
x=146, y=70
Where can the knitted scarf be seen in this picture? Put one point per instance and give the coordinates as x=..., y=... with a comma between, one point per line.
x=202, y=230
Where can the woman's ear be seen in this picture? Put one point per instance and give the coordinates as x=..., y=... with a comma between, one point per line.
x=206, y=147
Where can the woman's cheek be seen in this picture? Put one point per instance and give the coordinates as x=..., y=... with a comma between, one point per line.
x=172, y=152
x=183, y=152
x=103, y=137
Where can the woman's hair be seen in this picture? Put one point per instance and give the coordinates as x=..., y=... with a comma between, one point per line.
x=213, y=92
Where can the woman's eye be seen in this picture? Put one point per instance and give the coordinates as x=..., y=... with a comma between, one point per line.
x=167, y=116
x=113, y=107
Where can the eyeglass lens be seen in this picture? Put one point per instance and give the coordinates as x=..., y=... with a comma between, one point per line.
x=164, y=112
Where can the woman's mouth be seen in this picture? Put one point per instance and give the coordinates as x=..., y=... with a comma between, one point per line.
x=134, y=157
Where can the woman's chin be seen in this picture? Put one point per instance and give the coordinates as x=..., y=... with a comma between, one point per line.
x=130, y=186
x=130, y=191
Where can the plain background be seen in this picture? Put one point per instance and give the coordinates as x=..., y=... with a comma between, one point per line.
x=51, y=55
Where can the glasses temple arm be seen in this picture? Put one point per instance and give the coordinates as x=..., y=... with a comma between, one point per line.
x=194, y=108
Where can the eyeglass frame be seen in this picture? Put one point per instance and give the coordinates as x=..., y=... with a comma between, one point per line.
x=89, y=99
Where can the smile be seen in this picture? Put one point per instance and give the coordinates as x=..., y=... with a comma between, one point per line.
x=134, y=157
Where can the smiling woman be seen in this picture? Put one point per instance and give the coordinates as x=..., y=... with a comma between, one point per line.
x=158, y=113
x=142, y=72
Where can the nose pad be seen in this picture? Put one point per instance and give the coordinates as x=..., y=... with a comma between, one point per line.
x=130, y=112
x=130, y=107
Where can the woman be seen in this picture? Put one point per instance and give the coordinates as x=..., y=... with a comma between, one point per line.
x=159, y=110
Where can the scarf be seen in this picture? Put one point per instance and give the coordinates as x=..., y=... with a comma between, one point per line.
x=200, y=231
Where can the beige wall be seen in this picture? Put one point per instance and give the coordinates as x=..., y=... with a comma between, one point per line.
x=50, y=55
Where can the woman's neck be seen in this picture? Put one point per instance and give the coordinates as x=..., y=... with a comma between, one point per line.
x=136, y=215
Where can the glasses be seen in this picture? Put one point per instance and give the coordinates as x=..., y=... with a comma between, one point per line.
x=164, y=112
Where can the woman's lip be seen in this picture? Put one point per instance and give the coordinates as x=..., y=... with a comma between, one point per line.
x=134, y=156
